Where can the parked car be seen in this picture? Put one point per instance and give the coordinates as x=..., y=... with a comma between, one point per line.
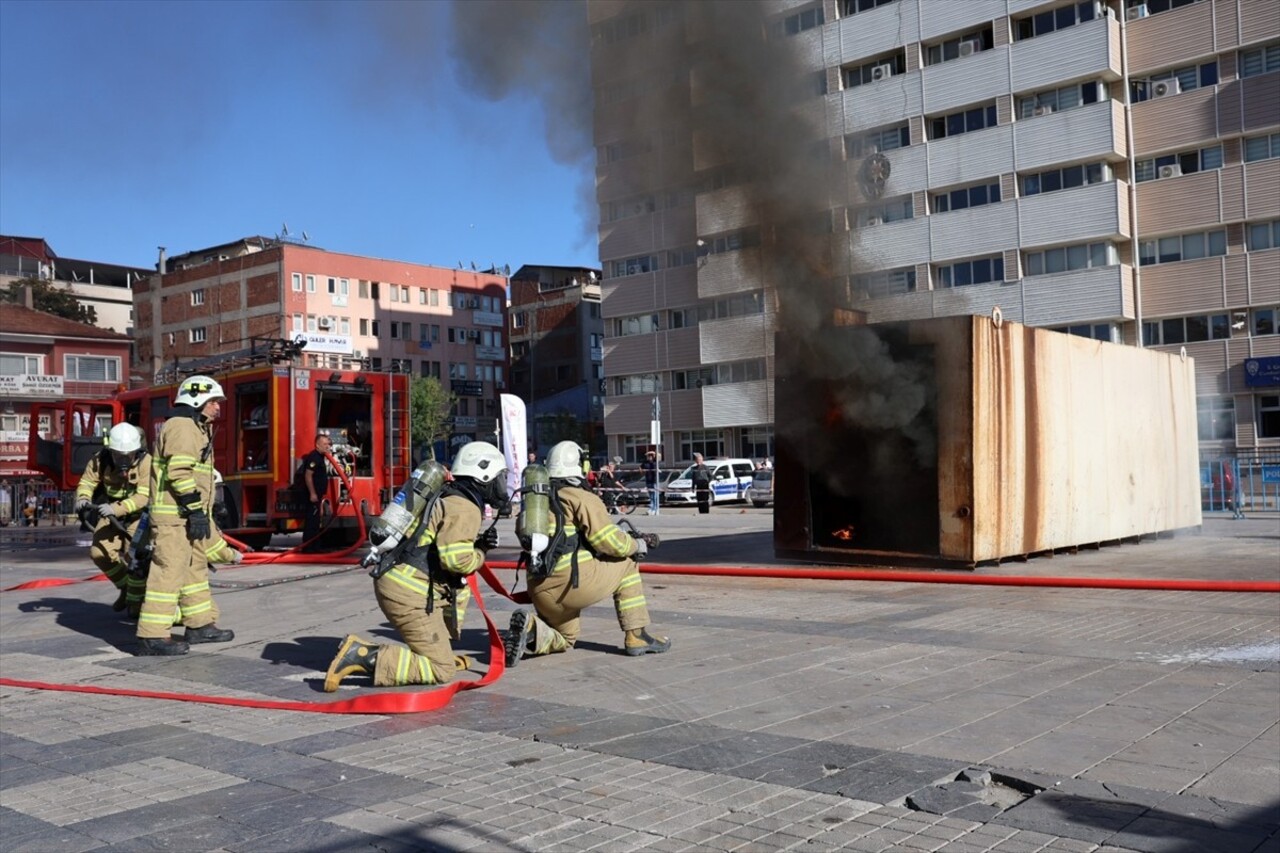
x=761, y=491
x=730, y=479
x=635, y=480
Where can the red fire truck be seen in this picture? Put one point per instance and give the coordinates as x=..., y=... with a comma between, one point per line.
x=270, y=419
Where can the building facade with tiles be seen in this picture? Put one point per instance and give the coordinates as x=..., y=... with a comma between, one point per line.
x=1108, y=169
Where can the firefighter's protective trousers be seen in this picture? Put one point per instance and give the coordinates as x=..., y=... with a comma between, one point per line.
x=129, y=493
x=178, y=585
x=402, y=596
x=605, y=570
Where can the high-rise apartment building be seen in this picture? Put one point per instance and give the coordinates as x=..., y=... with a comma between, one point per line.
x=1109, y=169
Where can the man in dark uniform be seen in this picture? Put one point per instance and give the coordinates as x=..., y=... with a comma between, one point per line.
x=315, y=479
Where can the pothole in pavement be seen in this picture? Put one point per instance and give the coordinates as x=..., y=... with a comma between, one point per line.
x=974, y=793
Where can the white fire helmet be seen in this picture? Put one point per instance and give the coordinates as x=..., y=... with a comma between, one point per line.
x=479, y=460
x=195, y=391
x=125, y=443
x=565, y=461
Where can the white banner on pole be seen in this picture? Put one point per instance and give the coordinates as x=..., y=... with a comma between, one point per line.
x=515, y=446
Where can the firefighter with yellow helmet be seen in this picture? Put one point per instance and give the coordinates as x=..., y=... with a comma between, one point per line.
x=580, y=559
x=182, y=528
x=420, y=568
x=113, y=493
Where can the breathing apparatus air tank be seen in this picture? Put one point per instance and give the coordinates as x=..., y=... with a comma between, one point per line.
x=389, y=529
x=533, y=526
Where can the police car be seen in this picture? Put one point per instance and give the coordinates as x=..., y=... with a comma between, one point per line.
x=730, y=480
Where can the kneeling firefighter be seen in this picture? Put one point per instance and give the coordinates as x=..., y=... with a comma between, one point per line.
x=113, y=494
x=586, y=558
x=425, y=544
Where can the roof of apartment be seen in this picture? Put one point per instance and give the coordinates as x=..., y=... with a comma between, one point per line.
x=21, y=320
x=26, y=247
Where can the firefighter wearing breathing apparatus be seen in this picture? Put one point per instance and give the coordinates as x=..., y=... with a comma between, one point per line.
x=425, y=544
x=112, y=495
x=182, y=529
x=576, y=556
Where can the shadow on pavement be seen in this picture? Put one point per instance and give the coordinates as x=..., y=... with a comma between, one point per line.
x=91, y=618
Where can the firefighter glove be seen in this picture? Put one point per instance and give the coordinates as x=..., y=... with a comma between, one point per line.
x=106, y=510
x=198, y=525
x=236, y=557
x=82, y=504
x=641, y=551
x=488, y=540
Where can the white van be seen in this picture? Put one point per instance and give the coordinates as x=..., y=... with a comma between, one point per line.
x=730, y=480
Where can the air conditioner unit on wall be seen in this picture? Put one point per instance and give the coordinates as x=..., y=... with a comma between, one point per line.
x=874, y=220
x=1044, y=110
x=970, y=47
x=882, y=72
x=1133, y=13
x=324, y=323
x=1171, y=171
x=1165, y=88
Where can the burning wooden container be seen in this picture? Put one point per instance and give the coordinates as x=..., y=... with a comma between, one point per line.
x=961, y=440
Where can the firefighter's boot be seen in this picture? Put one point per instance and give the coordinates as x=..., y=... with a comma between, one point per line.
x=210, y=633
x=516, y=642
x=162, y=646
x=121, y=601
x=354, y=656
x=639, y=642
x=462, y=662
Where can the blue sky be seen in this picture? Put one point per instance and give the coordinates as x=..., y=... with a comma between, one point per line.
x=130, y=125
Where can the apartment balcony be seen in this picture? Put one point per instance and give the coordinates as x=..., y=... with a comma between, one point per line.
x=970, y=157
x=947, y=17
x=735, y=338
x=1185, y=203
x=1186, y=287
x=722, y=210
x=986, y=230
x=628, y=237
x=631, y=354
x=1095, y=132
x=1088, y=51
x=875, y=104
x=1095, y=212
x=907, y=172
x=729, y=272
x=894, y=244
x=949, y=86
x=871, y=32
x=737, y=404
x=1071, y=297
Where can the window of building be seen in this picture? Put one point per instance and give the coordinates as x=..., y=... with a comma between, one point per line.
x=297, y=282
x=682, y=380
x=1216, y=418
x=519, y=319
x=1154, y=7
x=634, y=448
x=375, y=362
x=1096, y=331
x=1177, y=165
x=311, y=284
x=965, y=197
x=751, y=370
x=1263, y=235
x=853, y=7
x=296, y=324
x=1060, y=100
x=958, y=47
x=1260, y=61
x=435, y=333
x=889, y=210
x=395, y=330
x=682, y=257
x=884, y=283
x=1176, y=81
x=1055, y=19
x=395, y=293
x=627, y=208
x=1184, y=330
x=1069, y=258
x=964, y=121
x=1266, y=321
x=633, y=266
x=1068, y=177
x=344, y=326
x=857, y=146
x=364, y=289
x=645, y=383
x=640, y=324
x=738, y=305
x=373, y=290
x=90, y=368
x=197, y=296
x=874, y=70
x=1269, y=416
x=1262, y=148
x=798, y=22
x=1182, y=247
x=364, y=326
x=344, y=287
x=404, y=292
x=332, y=286
x=373, y=328
x=311, y=323
x=708, y=442
x=196, y=335
x=976, y=271
x=731, y=242
x=757, y=442
x=13, y=364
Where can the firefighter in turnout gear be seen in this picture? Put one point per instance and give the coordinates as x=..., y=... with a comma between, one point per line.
x=112, y=495
x=425, y=593
x=588, y=558
x=182, y=528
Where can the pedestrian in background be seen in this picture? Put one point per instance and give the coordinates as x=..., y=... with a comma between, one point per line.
x=315, y=479
x=701, y=477
x=650, y=468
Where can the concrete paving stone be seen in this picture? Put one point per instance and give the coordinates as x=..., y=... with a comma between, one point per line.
x=311, y=744
x=887, y=777
x=1066, y=753
x=1151, y=834
x=295, y=809
x=318, y=836
x=16, y=772
x=371, y=789
x=60, y=839
x=1082, y=818
x=141, y=734
x=202, y=834
x=1244, y=779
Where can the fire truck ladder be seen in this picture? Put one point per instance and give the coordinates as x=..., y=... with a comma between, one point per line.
x=397, y=413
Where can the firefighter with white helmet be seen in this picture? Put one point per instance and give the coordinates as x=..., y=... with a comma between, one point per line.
x=182, y=528
x=424, y=592
x=113, y=493
x=588, y=558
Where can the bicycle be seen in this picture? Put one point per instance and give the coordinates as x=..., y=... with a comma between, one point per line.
x=623, y=501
